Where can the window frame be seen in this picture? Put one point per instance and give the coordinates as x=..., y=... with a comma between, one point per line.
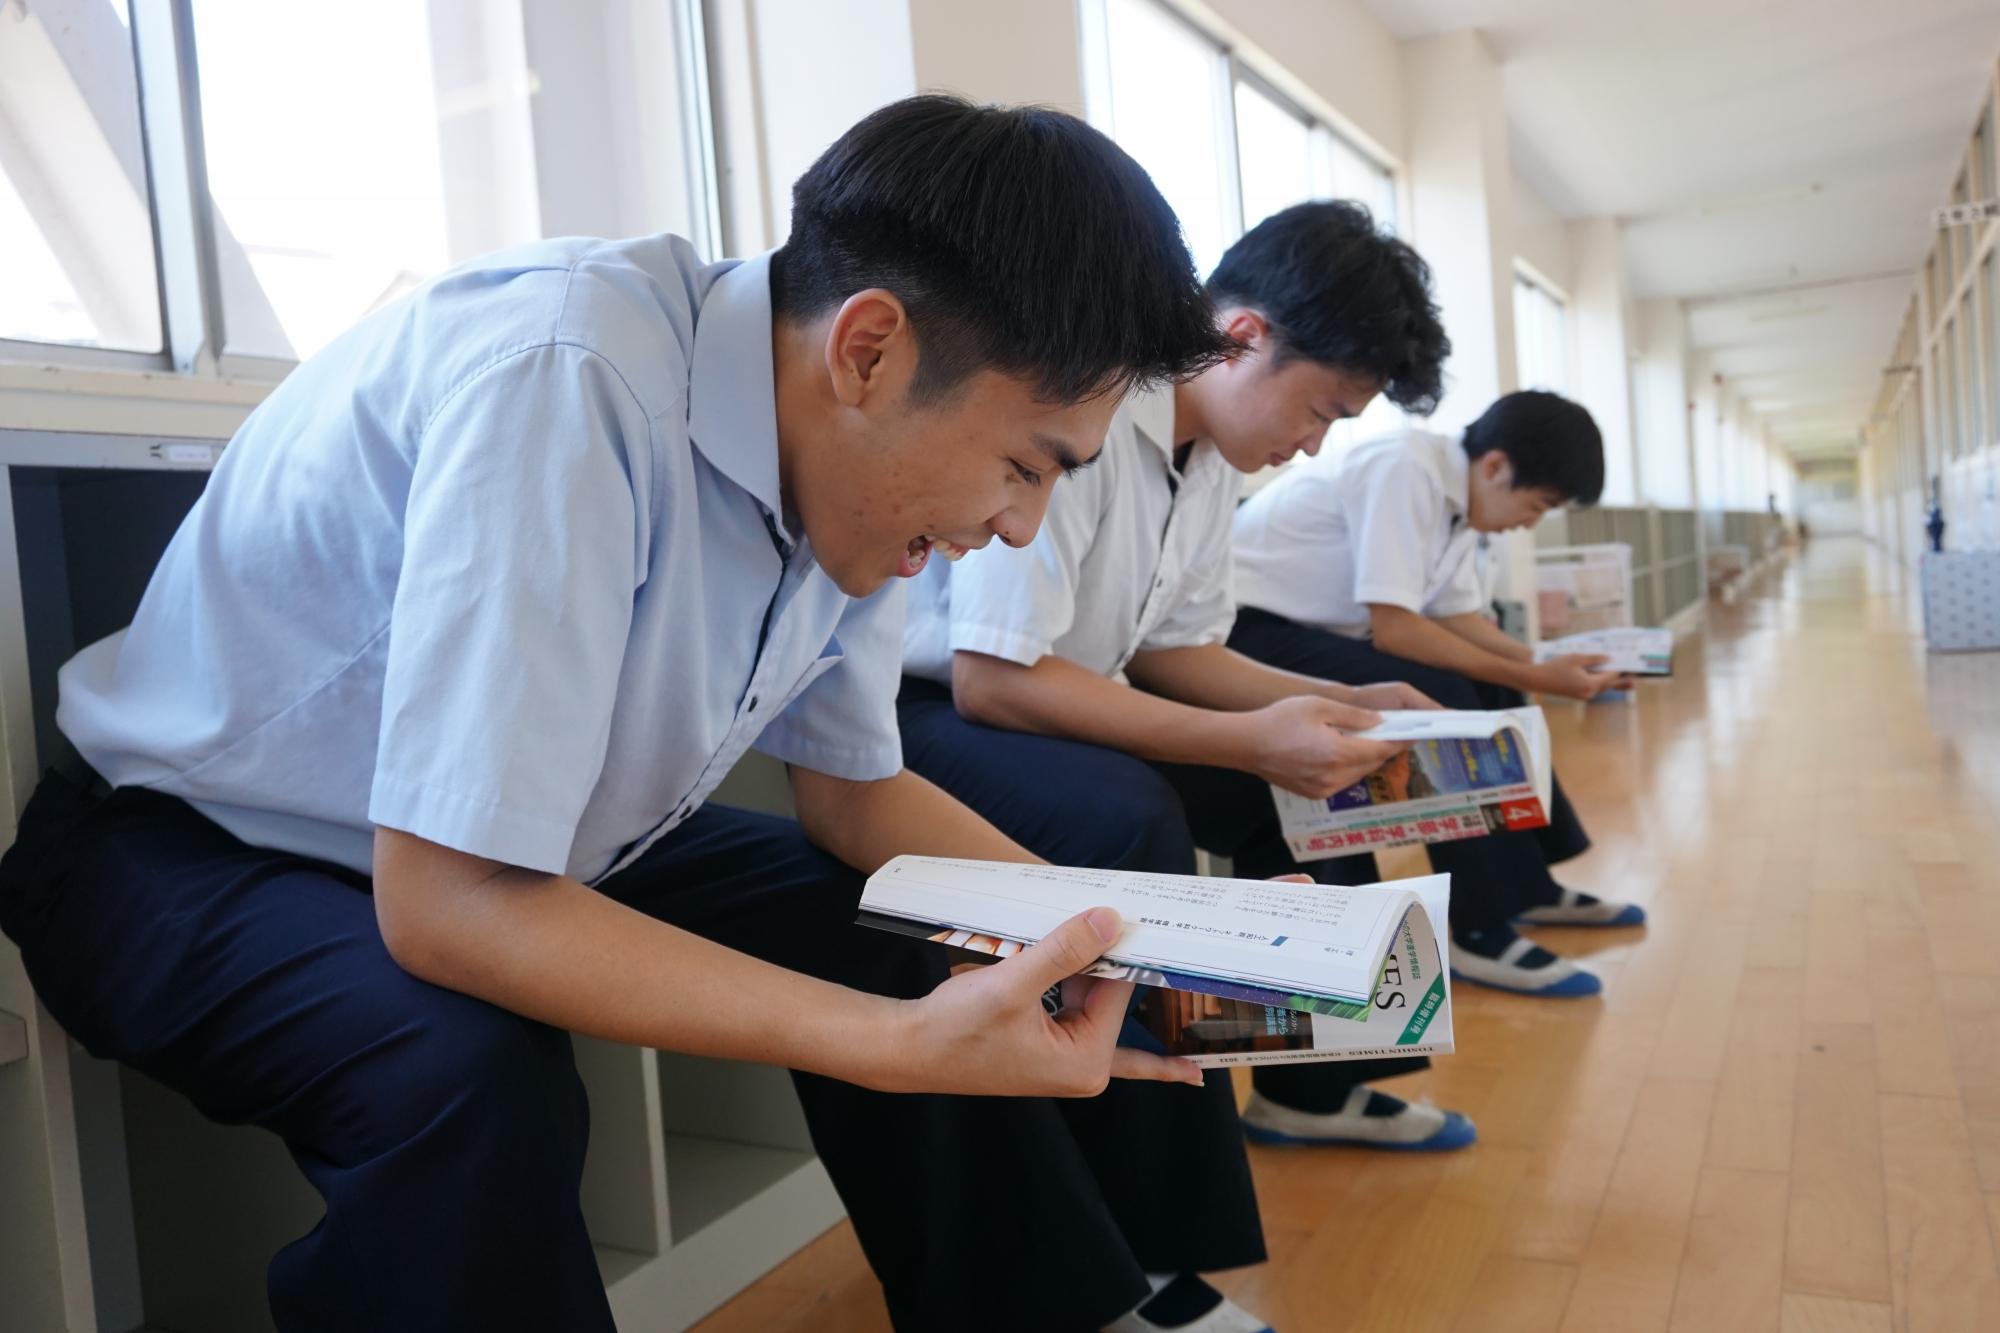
x=193, y=324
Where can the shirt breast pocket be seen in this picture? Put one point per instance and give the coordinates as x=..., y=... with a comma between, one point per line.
x=830, y=657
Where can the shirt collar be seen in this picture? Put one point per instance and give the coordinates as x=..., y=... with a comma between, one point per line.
x=732, y=385
x=1455, y=470
x=1152, y=412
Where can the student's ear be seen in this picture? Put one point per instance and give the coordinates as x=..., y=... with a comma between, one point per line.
x=869, y=347
x=1248, y=329
x=1495, y=469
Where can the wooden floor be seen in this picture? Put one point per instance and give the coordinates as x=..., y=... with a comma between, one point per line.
x=1783, y=1114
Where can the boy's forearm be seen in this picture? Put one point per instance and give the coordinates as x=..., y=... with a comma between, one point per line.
x=1480, y=632
x=1404, y=633
x=867, y=824
x=555, y=950
x=1056, y=697
x=1218, y=677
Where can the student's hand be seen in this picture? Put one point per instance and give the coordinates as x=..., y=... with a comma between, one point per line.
x=984, y=1032
x=1574, y=675
x=1392, y=694
x=1302, y=745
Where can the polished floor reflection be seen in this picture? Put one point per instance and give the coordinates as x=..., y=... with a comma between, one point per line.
x=1784, y=1113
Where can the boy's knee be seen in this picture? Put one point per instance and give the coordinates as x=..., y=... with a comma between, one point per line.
x=461, y=1062
x=1140, y=825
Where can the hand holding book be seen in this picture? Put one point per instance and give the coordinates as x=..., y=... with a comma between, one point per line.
x=988, y=1025
x=1462, y=774
x=1312, y=746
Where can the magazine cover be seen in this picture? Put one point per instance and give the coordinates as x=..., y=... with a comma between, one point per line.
x=1410, y=1014
x=1465, y=775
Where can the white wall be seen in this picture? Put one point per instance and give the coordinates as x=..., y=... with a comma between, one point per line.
x=1540, y=236
x=1660, y=416
x=1599, y=301
x=1460, y=193
x=1339, y=50
x=1022, y=51
x=1461, y=196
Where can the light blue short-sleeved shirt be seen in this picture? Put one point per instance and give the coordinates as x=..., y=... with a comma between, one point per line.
x=506, y=566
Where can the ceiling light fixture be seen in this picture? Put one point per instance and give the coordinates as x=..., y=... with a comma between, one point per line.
x=1770, y=316
x=1739, y=203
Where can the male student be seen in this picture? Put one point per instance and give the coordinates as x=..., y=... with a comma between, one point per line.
x=399, y=773
x=1361, y=568
x=1079, y=692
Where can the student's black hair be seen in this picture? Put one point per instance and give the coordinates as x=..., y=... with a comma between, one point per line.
x=1342, y=292
x=1552, y=443
x=1019, y=239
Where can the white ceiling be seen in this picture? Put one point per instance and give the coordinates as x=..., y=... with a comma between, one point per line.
x=1749, y=145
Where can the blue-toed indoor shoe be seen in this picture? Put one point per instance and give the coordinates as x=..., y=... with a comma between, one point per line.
x=1369, y=1119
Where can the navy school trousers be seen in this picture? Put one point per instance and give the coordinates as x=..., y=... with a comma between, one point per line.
x=447, y=1135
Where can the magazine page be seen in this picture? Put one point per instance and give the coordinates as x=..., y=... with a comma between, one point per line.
x=1296, y=944
x=1633, y=651
x=1410, y=1013
x=1466, y=774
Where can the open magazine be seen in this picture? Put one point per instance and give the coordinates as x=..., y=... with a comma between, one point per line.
x=1466, y=774
x=1633, y=651
x=1232, y=971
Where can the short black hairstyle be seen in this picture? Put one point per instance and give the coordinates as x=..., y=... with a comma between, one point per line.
x=1340, y=291
x=1019, y=239
x=1553, y=444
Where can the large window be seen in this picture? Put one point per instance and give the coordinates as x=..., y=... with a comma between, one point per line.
x=1946, y=360
x=1968, y=378
x=1541, y=335
x=1275, y=154
x=303, y=163
x=1990, y=269
x=1225, y=147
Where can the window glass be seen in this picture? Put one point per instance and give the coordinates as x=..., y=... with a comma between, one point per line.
x=1165, y=81
x=321, y=120
x=75, y=221
x=1274, y=153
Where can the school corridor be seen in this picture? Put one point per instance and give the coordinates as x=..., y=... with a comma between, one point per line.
x=1784, y=1111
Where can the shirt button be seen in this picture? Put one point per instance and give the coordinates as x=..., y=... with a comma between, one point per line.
x=751, y=707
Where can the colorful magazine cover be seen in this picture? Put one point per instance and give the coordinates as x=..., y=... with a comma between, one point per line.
x=1410, y=1015
x=1465, y=775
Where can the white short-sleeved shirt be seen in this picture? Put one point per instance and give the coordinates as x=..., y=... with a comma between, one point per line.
x=1133, y=554
x=506, y=567
x=1384, y=523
